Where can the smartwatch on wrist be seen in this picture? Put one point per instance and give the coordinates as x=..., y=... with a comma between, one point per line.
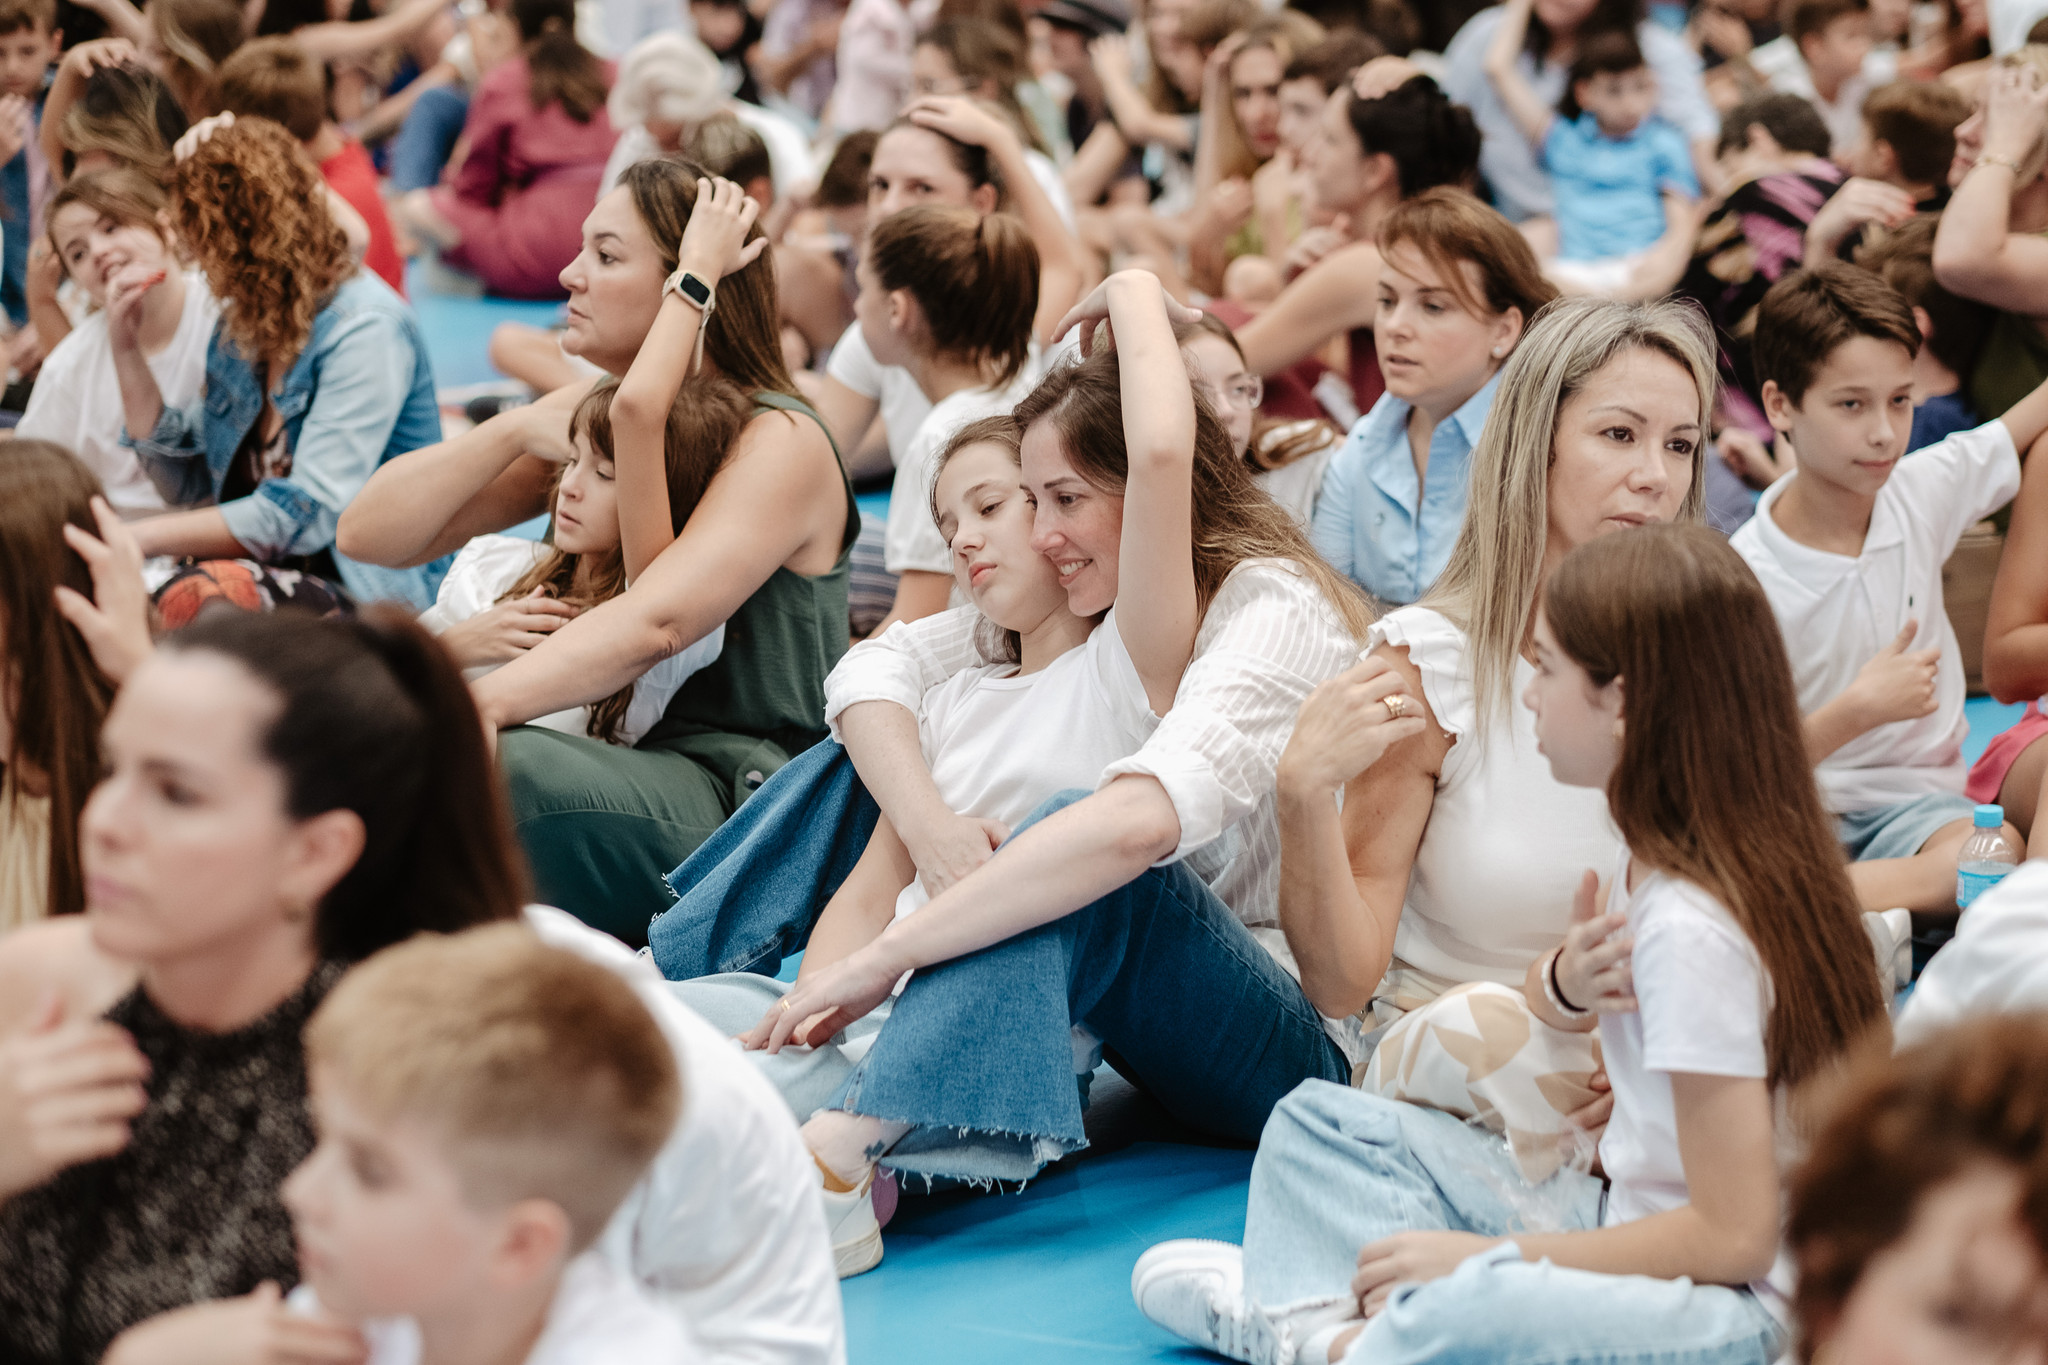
x=693, y=287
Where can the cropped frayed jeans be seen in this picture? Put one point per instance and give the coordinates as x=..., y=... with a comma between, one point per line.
x=976, y=1055
x=1339, y=1168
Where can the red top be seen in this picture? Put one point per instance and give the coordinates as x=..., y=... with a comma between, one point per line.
x=350, y=174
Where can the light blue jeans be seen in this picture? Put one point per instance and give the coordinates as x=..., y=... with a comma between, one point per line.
x=1338, y=1168
x=806, y=1077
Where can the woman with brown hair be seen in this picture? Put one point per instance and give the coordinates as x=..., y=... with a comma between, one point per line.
x=538, y=138
x=50, y=714
x=1727, y=974
x=316, y=374
x=280, y=796
x=1919, y=1219
x=764, y=553
x=1458, y=284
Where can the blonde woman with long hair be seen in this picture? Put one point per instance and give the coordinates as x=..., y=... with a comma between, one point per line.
x=1421, y=907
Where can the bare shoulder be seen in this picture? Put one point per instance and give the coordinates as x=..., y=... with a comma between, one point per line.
x=57, y=954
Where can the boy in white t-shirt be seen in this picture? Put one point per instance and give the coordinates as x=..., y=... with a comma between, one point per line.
x=1849, y=548
x=484, y=1103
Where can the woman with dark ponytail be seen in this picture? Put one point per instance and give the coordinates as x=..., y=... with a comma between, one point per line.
x=948, y=295
x=538, y=138
x=282, y=795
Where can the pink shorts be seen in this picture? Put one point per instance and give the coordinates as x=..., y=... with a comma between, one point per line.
x=1987, y=775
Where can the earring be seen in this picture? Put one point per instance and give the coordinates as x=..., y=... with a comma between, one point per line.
x=297, y=913
x=1618, y=730
x=1499, y=351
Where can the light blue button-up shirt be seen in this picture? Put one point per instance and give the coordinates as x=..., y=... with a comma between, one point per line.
x=1384, y=528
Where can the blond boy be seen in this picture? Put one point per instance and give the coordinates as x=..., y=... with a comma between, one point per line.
x=484, y=1102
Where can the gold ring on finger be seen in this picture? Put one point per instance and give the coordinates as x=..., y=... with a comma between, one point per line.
x=784, y=1002
x=1397, y=706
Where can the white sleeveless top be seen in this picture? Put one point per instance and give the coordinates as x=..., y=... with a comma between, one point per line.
x=1506, y=843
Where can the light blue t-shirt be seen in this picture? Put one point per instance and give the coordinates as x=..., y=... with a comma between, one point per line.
x=1382, y=527
x=1610, y=190
x=1506, y=160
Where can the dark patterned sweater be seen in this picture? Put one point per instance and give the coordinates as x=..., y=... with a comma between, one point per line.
x=188, y=1211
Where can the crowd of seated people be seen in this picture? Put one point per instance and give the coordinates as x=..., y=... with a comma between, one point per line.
x=1418, y=618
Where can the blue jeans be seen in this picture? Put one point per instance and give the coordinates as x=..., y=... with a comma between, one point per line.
x=806, y=1077
x=749, y=895
x=977, y=1057
x=421, y=146
x=1338, y=1168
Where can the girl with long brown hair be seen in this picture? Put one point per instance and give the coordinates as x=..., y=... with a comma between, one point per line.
x=315, y=376
x=56, y=697
x=1727, y=971
x=538, y=137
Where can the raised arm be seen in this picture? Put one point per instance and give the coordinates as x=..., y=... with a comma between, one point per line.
x=1338, y=294
x=1215, y=100
x=334, y=41
x=72, y=73
x=431, y=501
x=729, y=548
x=1157, y=612
x=1344, y=876
x=1061, y=261
x=1523, y=104
x=1135, y=117
x=2016, y=633
x=714, y=245
x=1976, y=253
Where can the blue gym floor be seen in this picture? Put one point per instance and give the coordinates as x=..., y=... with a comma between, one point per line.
x=1043, y=1275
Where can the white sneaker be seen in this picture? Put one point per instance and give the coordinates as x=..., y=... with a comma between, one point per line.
x=856, y=1235
x=1195, y=1290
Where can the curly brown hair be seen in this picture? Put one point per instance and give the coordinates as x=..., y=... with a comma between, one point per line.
x=252, y=210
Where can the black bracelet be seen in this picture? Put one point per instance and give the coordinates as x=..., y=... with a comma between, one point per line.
x=1555, y=993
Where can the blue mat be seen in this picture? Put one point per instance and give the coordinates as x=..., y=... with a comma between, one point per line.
x=1043, y=1275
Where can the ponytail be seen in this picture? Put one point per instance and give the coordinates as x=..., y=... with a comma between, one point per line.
x=558, y=67
x=975, y=278
x=374, y=718
x=1432, y=141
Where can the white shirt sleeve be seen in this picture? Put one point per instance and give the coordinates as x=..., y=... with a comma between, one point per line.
x=1957, y=482
x=855, y=366
x=1998, y=960
x=911, y=541
x=1268, y=639
x=1702, y=991
x=909, y=659
x=484, y=571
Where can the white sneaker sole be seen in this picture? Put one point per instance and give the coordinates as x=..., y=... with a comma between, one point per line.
x=859, y=1256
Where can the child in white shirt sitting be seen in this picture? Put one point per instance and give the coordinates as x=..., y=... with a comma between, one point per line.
x=484, y=1103
x=1849, y=549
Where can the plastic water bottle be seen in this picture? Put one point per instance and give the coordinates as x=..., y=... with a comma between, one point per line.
x=1986, y=857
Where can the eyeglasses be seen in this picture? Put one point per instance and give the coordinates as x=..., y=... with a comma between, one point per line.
x=1246, y=394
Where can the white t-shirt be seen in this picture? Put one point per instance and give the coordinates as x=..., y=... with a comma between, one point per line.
x=726, y=1229
x=1837, y=612
x=790, y=164
x=998, y=743
x=599, y=1317
x=1506, y=843
x=1784, y=69
x=903, y=402
x=1704, y=1003
x=485, y=570
x=912, y=539
x=1997, y=962
x=76, y=401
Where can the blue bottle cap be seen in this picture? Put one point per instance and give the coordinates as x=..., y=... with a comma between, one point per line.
x=1990, y=817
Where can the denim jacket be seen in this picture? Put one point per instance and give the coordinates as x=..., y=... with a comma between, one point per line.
x=360, y=393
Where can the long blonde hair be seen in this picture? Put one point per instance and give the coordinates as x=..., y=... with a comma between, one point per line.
x=1495, y=574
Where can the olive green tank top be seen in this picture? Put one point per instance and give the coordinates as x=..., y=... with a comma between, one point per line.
x=763, y=700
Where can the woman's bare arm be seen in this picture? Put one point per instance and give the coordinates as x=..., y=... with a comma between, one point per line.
x=1338, y=294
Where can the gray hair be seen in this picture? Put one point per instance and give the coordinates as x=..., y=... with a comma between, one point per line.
x=669, y=76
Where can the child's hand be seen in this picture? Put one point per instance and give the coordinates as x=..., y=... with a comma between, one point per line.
x=126, y=292
x=715, y=243
x=256, y=1329
x=946, y=850
x=507, y=630
x=1410, y=1258
x=14, y=126
x=100, y=54
x=115, y=619
x=1594, y=969
x=1898, y=684
x=198, y=133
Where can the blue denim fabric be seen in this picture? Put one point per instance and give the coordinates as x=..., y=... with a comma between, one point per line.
x=17, y=235
x=977, y=1055
x=360, y=393
x=421, y=147
x=749, y=895
x=1338, y=1168
x=806, y=1077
